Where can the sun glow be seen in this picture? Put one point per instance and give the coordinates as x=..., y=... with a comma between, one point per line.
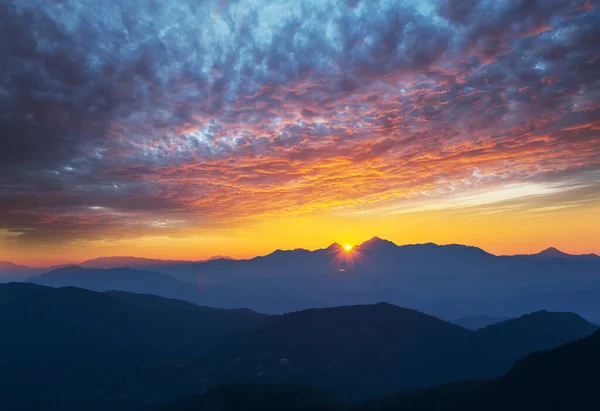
x=347, y=247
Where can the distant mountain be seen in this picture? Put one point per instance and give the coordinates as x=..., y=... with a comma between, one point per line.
x=121, y=279
x=361, y=352
x=476, y=322
x=565, y=378
x=131, y=262
x=374, y=255
x=6, y=265
x=449, y=281
x=14, y=272
x=553, y=253
x=74, y=349
x=136, y=262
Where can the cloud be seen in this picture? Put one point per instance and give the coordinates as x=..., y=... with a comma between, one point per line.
x=119, y=119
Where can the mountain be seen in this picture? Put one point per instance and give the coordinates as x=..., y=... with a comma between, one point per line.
x=137, y=262
x=14, y=272
x=213, y=320
x=448, y=281
x=121, y=279
x=552, y=253
x=476, y=322
x=565, y=378
x=373, y=255
x=71, y=349
x=360, y=352
x=6, y=265
x=131, y=262
x=503, y=343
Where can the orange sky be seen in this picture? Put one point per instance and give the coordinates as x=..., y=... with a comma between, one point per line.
x=524, y=224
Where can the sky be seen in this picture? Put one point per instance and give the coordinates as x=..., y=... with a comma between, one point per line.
x=186, y=128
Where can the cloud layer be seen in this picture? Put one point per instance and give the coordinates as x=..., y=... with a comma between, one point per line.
x=128, y=118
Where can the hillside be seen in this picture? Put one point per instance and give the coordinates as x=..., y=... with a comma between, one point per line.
x=360, y=352
x=565, y=378
x=120, y=279
x=501, y=344
x=122, y=350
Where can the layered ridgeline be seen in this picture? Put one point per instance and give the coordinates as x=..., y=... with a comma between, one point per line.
x=119, y=279
x=565, y=378
x=360, y=352
x=475, y=322
x=15, y=272
x=72, y=349
x=448, y=281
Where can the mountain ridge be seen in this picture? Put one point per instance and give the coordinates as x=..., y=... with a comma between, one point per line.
x=353, y=342
x=449, y=281
x=370, y=243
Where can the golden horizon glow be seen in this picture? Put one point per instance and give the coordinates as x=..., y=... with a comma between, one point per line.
x=347, y=247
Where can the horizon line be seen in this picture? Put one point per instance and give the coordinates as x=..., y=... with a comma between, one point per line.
x=220, y=257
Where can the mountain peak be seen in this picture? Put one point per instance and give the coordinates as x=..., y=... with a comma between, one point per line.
x=377, y=242
x=552, y=252
x=334, y=246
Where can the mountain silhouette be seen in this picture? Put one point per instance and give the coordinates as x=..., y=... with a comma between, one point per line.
x=121, y=279
x=444, y=280
x=552, y=252
x=58, y=342
x=6, y=265
x=360, y=352
x=505, y=342
x=564, y=378
x=377, y=243
x=476, y=322
x=448, y=281
x=129, y=351
x=136, y=262
x=15, y=272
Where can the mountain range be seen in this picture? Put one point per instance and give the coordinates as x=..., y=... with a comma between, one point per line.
x=448, y=281
x=359, y=352
x=564, y=378
x=78, y=349
x=70, y=348
x=121, y=279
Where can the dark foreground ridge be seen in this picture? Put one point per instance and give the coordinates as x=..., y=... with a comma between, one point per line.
x=73, y=349
x=565, y=378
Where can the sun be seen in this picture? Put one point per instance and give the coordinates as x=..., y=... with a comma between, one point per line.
x=347, y=247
